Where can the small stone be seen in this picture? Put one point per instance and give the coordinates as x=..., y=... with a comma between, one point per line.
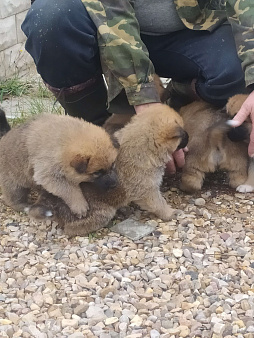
x=76, y=335
x=136, y=321
x=218, y=328
x=193, y=274
x=70, y=322
x=81, y=308
x=154, y=334
x=184, y=331
x=111, y=320
x=219, y=309
x=240, y=296
x=133, y=229
x=200, y=202
x=5, y=321
x=224, y=236
x=105, y=291
x=245, y=305
x=178, y=253
x=250, y=329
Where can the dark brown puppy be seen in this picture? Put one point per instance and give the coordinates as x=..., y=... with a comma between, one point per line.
x=146, y=145
x=57, y=153
x=209, y=147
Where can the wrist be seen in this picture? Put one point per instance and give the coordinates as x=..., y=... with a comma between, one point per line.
x=143, y=107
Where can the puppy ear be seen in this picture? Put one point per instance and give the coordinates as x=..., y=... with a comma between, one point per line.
x=79, y=163
x=118, y=136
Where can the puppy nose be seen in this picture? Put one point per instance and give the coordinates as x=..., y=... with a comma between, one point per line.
x=108, y=181
x=112, y=180
x=184, y=141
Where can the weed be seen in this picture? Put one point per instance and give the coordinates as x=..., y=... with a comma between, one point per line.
x=13, y=86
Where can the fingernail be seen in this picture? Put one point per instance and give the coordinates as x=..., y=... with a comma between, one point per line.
x=232, y=123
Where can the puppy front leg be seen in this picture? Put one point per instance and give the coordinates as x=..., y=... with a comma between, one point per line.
x=248, y=185
x=59, y=186
x=156, y=204
x=16, y=197
x=74, y=198
x=192, y=180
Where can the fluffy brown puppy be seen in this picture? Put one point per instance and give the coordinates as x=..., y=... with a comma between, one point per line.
x=210, y=148
x=146, y=145
x=57, y=153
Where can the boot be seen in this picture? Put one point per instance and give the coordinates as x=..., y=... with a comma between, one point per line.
x=87, y=100
x=179, y=94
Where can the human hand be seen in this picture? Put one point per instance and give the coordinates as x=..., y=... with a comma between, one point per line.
x=178, y=160
x=247, y=110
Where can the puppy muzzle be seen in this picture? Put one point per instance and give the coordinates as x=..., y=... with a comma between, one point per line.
x=184, y=140
x=108, y=181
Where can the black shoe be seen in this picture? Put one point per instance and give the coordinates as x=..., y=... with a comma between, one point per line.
x=87, y=100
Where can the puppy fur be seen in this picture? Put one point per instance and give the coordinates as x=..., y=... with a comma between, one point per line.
x=146, y=145
x=57, y=153
x=4, y=125
x=209, y=147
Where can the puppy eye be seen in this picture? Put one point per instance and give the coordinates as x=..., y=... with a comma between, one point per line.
x=99, y=173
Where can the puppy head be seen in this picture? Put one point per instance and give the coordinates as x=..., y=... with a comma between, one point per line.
x=168, y=129
x=91, y=159
x=234, y=104
x=160, y=130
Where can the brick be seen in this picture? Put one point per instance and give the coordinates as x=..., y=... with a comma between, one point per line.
x=19, y=19
x=11, y=7
x=14, y=60
x=8, y=36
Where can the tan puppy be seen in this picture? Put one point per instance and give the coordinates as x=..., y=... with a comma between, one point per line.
x=210, y=148
x=233, y=106
x=57, y=153
x=146, y=145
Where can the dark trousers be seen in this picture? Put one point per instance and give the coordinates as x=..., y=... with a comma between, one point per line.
x=62, y=40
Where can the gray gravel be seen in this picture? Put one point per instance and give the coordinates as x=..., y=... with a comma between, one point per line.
x=193, y=277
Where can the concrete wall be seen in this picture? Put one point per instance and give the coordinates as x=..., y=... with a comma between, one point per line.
x=13, y=57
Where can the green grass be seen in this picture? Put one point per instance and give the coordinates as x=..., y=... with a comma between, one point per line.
x=13, y=87
x=92, y=236
x=33, y=98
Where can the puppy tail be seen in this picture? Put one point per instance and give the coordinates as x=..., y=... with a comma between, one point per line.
x=227, y=128
x=4, y=125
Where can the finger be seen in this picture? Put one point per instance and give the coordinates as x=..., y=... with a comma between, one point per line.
x=242, y=115
x=170, y=167
x=179, y=158
x=251, y=144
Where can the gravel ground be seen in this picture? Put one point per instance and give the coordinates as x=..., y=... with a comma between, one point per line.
x=193, y=277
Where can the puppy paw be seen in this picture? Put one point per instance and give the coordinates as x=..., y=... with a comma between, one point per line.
x=39, y=212
x=245, y=188
x=80, y=210
x=168, y=213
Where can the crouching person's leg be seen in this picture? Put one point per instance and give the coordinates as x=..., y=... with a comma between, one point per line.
x=62, y=39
